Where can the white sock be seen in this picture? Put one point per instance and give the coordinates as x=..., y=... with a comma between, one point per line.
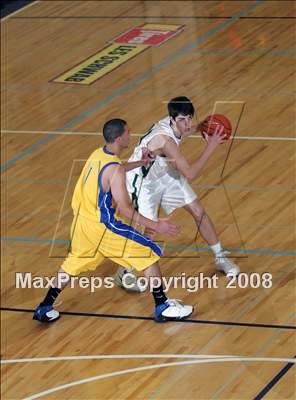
x=217, y=249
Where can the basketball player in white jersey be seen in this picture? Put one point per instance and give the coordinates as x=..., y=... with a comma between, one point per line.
x=164, y=182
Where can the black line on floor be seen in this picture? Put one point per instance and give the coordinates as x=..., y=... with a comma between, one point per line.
x=142, y=318
x=147, y=17
x=274, y=381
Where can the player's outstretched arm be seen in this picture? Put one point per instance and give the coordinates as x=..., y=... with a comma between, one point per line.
x=147, y=157
x=193, y=170
x=116, y=179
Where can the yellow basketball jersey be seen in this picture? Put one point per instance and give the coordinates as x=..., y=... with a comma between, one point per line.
x=85, y=201
x=90, y=201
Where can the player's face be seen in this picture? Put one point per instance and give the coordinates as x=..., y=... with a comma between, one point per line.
x=125, y=137
x=183, y=124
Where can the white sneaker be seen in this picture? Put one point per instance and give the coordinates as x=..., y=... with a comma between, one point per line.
x=127, y=280
x=172, y=310
x=227, y=266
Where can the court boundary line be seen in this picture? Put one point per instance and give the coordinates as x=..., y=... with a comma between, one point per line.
x=141, y=78
x=137, y=369
x=275, y=380
x=237, y=316
x=73, y=133
x=268, y=345
x=143, y=356
x=143, y=318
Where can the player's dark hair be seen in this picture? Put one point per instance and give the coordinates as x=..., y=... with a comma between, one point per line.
x=113, y=129
x=180, y=106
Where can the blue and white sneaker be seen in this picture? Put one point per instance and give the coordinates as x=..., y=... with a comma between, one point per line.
x=172, y=310
x=46, y=314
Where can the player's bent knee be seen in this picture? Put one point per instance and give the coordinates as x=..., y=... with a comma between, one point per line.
x=198, y=212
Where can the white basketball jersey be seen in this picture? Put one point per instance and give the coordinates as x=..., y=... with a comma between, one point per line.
x=160, y=166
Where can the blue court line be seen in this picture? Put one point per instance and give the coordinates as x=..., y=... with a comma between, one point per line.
x=35, y=146
x=217, y=52
x=31, y=240
x=269, y=386
x=234, y=250
x=135, y=82
x=142, y=318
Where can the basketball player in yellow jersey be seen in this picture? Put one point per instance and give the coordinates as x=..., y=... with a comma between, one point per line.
x=98, y=232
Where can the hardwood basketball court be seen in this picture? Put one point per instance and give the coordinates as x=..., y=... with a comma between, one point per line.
x=236, y=58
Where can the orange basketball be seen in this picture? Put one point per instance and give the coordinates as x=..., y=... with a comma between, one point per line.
x=210, y=125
